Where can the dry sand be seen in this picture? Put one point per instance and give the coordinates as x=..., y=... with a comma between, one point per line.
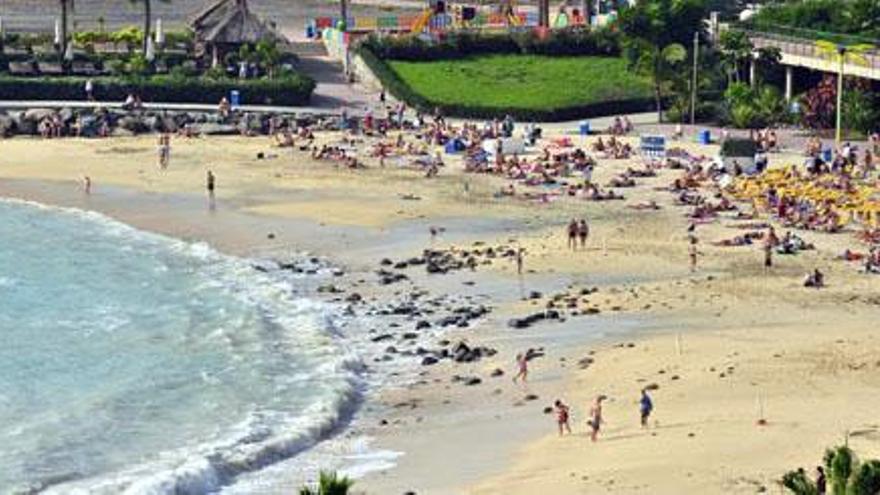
x=722, y=343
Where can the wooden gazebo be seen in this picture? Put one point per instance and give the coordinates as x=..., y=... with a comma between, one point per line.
x=227, y=24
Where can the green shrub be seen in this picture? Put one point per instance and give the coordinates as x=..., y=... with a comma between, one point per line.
x=329, y=483
x=293, y=90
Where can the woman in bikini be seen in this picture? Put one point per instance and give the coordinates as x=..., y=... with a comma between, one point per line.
x=522, y=366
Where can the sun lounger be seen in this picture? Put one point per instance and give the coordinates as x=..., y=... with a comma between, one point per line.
x=80, y=68
x=22, y=68
x=50, y=68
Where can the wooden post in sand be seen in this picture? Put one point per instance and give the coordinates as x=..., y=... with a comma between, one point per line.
x=761, y=420
x=678, y=344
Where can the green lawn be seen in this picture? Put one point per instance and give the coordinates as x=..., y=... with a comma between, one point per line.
x=528, y=82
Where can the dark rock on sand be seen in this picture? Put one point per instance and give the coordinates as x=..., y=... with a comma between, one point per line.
x=383, y=337
x=429, y=360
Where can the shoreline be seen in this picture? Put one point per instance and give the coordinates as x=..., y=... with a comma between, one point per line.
x=483, y=441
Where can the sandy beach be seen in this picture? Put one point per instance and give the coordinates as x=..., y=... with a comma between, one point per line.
x=756, y=374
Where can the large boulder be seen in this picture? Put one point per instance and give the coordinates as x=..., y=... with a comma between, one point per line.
x=209, y=129
x=36, y=115
x=132, y=123
x=7, y=126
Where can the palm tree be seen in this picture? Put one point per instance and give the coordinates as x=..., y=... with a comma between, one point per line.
x=735, y=47
x=328, y=484
x=148, y=20
x=659, y=63
x=842, y=54
x=66, y=7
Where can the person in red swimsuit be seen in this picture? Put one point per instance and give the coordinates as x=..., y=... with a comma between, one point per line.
x=562, y=417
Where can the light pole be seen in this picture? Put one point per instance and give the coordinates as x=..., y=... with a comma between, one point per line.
x=841, y=54
x=343, y=12
x=694, y=82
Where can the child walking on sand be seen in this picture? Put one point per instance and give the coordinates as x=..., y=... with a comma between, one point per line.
x=562, y=417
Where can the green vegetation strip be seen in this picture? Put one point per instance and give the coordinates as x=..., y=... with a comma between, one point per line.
x=291, y=90
x=528, y=82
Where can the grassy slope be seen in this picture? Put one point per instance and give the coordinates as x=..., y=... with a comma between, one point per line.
x=523, y=81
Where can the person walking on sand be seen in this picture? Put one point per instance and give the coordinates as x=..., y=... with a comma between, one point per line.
x=693, y=253
x=572, y=234
x=164, y=147
x=821, y=483
x=583, y=232
x=522, y=368
x=211, y=184
x=646, y=406
x=562, y=415
x=596, y=418
x=769, y=243
x=90, y=90
x=519, y=260
x=87, y=184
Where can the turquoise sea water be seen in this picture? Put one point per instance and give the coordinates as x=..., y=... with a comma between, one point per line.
x=133, y=362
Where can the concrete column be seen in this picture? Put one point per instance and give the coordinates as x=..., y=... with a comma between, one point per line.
x=788, y=82
x=753, y=73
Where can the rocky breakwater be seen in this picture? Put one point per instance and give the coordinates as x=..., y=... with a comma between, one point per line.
x=105, y=122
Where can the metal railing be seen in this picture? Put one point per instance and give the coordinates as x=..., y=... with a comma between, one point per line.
x=803, y=47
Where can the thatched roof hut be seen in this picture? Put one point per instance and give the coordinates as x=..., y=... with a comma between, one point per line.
x=230, y=22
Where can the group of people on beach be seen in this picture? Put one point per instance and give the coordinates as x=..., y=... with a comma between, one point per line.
x=596, y=418
x=578, y=230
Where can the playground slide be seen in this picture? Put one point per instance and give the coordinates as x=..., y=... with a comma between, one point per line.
x=422, y=21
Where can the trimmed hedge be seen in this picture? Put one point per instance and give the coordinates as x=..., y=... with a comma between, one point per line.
x=402, y=91
x=292, y=90
x=563, y=42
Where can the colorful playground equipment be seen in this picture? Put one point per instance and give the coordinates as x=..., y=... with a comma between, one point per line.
x=441, y=16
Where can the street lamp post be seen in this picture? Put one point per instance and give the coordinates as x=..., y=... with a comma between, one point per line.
x=841, y=51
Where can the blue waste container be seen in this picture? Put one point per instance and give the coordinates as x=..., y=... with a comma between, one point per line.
x=451, y=146
x=584, y=128
x=826, y=154
x=704, y=137
x=310, y=32
x=234, y=98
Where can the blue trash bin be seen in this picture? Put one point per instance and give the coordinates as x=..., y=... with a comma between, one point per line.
x=826, y=155
x=310, y=32
x=234, y=98
x=704, y=137
x=451, y=147
x=584, y=128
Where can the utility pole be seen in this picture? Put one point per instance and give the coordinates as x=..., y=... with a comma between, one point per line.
x=694, y=82
x=544, y=13
x=343, y=12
